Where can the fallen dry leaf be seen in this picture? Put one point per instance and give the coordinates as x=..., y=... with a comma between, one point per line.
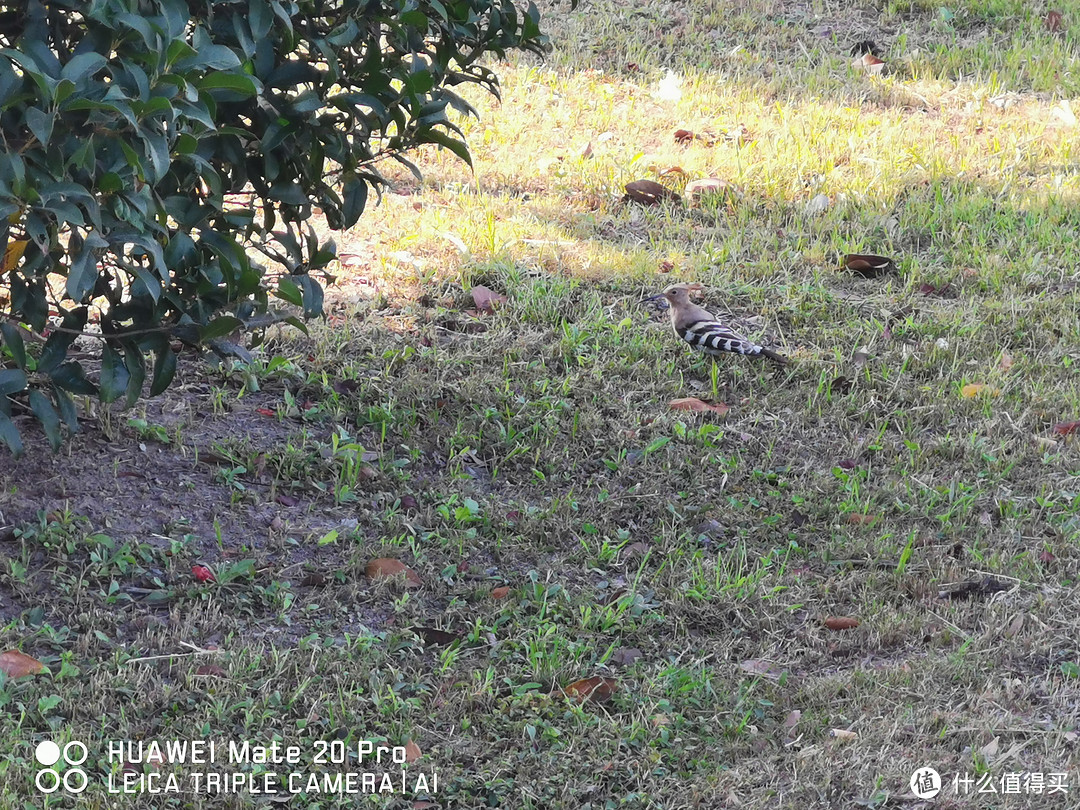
x=649, y=192
x=987, y=586
x=638, y=549
x=501, y=592
x=856, y=519
x=705, y=186
x=1066, y=428
x=421, y=804
x=210, y=670
x=695, y=405
x=17, y=664
x=1014, y=628
x=1006, y=361
x=486, y=299
x=202, y=573
x=1053, y=21
x=412, y=751
x=843, y=735
x=792, y=720
x=870, y=64
x=868, y=265
x=387, y=567
x=841, y=623
x=765, y=669
x=435, y=636
x=683, y=136
x=972, y=390
x=990, y=750
x=596, y=688
x=625, y=656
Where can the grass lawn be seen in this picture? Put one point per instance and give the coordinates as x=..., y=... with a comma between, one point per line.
x=560, y=521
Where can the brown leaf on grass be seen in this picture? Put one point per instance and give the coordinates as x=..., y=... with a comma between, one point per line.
x=868, y=265
x=870, y=64
x=792, y=720
x=435, y=636
x=1046, y=557
x=409, y=502
x=313, y=579
x=673, y=170
x=972, y=390
x=486, y=299
x=1066, y=428
x=501, y=592
x=421, y=804
x=705, y=186
x=764, y=669
x=843, y=735
x=596, y=688
x=666, y=266
x=1014, y=628
x=412, y=751
x=638, y=549
x=857, y=519
x=1053, y=21
x=987, y=586
x=17, y=664
x=847, y=464
x=1006, y=361
x=210, y=671
x=841, y=623
x=287, y=500
x=388, y=568
x=684, y=136
x=695, y=405
x=649, y=192
x=798, y=519
x=625, y=656
x=931, y=289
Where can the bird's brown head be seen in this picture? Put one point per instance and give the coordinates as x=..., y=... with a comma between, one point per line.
x=677, y=295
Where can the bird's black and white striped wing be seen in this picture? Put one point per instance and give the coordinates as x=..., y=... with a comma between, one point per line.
x=712, y=337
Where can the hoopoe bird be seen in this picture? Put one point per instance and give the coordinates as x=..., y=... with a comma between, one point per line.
x=703, y=332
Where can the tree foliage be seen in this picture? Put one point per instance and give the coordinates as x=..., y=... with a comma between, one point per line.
x=152, y=148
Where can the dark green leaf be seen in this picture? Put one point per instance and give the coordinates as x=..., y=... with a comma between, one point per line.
x=114, y=374
x=219, y=327
x=67, y=408
x=164, y=370
x=14, y=342
x=9, y=435
x=355, y=198
x=12, y=380
x=71, y=377
x=46, y=414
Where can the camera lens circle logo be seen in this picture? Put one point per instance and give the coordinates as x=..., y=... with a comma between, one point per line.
x=73, y=779
x=926, y=783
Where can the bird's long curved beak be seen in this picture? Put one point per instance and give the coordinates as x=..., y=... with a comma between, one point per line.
x=651, y=298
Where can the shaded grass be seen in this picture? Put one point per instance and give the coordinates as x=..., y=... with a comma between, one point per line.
x=534, y=449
